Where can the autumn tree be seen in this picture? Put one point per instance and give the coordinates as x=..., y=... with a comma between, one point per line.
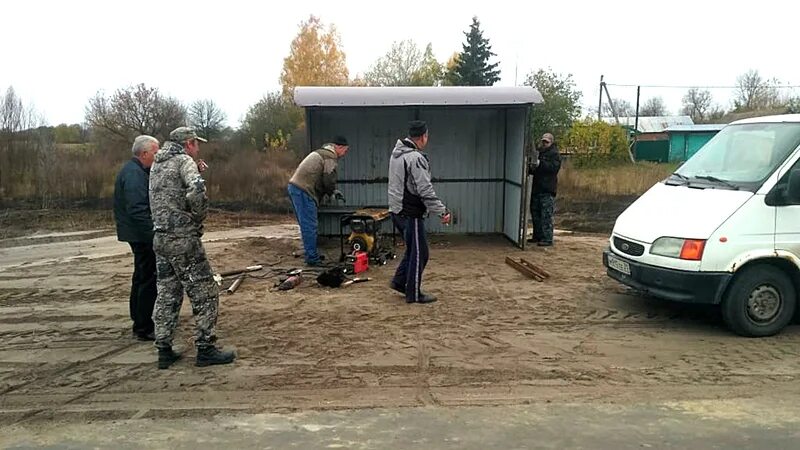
x=405, y=65
x=473, y=67
x=793, y=105
x=207, y=118
x=315, y=58
x=69, y=134
x=135, y=110
x=562, y=103
x=653, y=107
x=272, y=119
x=450, y=76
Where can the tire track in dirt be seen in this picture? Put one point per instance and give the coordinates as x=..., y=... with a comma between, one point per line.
x=58, y=372
x=423, y=368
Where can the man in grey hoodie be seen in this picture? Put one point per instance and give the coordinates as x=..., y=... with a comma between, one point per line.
x=411, y=200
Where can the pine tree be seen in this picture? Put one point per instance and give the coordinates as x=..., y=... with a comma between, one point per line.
x=473, y=68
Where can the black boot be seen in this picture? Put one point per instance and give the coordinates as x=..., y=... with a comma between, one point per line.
x=423, y=298
x=166, y=357
x=426, y=298
x=209, y=356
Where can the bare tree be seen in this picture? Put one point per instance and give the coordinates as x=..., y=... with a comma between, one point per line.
x=207, y=118
x=136, y=110
x=753, y=92
x=623, y=108
x=20, y=126
x=653, y=107
x=11, y=111
x=697, y=104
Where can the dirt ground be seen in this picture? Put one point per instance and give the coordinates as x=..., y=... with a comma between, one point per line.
x=494, y=338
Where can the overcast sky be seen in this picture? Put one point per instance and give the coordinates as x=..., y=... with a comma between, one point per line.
x=57, y=54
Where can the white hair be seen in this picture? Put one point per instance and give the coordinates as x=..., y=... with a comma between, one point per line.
x=141, y=143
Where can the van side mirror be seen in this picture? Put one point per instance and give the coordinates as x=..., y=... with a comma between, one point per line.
x=793, y=187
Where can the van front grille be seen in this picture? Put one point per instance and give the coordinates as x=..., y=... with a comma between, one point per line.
x=628, y=247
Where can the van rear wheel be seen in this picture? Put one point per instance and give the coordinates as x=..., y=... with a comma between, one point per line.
x=760, y=301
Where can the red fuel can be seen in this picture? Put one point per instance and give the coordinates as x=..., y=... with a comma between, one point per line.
x=362, y=262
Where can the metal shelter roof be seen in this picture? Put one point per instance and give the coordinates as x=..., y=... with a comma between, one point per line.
x=415, y=96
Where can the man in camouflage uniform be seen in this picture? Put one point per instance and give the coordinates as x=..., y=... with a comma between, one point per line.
x=545, y=186
x=179, y=205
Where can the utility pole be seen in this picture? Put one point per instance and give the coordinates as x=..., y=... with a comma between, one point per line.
x=636, y=123
x=600, y=104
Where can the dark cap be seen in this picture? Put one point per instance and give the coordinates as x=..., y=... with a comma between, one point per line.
x=340, y=140
x=417, y=128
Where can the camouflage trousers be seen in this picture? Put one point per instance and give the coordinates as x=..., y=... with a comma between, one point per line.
x=542, y=210
x=182, y=265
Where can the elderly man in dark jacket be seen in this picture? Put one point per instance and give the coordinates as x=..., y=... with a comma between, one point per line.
x=543, y=194
x=135, y=226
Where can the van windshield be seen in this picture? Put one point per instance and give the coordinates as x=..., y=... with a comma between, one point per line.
x=741, y=156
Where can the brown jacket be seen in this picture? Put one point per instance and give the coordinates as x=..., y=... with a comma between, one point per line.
x=316, y=175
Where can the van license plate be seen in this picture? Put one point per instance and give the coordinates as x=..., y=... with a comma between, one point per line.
x=619, y=265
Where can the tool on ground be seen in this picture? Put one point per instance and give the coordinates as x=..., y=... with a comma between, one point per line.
x=357, y=262
x=219, y=276
x=365, y=235
x=235, y=285
x=355, y=280
x=291, y=282
x=528, y=269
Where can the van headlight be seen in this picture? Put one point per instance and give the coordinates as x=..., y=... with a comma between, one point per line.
x=688, y=249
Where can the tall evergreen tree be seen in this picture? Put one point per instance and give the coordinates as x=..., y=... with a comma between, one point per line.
x=473, y=68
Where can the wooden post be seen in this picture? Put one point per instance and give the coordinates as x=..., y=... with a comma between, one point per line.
x=636, y=123
x=611, y=104
x=600, y=103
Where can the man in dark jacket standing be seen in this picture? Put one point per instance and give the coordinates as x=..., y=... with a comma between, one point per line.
x=543, y=194
x=411, y=200
x=135, y=226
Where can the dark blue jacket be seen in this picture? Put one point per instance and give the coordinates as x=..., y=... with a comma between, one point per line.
x=132, y=203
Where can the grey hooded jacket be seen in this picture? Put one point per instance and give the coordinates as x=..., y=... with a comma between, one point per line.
x=411, y=193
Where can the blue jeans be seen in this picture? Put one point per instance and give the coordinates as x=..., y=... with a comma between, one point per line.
x=305, y=210
x=409, y=272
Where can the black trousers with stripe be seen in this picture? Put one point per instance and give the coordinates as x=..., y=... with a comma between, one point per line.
x=409, y=272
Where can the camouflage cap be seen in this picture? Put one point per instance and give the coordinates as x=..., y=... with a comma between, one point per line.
x=183, y=134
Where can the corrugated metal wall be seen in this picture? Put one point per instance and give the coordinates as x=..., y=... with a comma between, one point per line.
x=514, y=175
x=683, y=145
x=467, y=152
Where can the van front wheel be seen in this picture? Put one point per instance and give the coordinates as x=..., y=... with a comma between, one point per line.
x=760, y=301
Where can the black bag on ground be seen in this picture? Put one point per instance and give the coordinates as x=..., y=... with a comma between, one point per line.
x=333, y=277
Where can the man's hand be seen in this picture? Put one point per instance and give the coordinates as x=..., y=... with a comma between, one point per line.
x=337, y=194
x=201, y=166
x=447, y=218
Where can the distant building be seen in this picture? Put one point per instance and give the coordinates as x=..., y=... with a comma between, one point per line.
x=650, y=135
x=686, y=140
x=656, y=124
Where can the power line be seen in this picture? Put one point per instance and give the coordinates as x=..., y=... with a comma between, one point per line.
x=777, y=86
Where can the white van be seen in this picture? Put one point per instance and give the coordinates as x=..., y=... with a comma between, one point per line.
x=723, y=229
